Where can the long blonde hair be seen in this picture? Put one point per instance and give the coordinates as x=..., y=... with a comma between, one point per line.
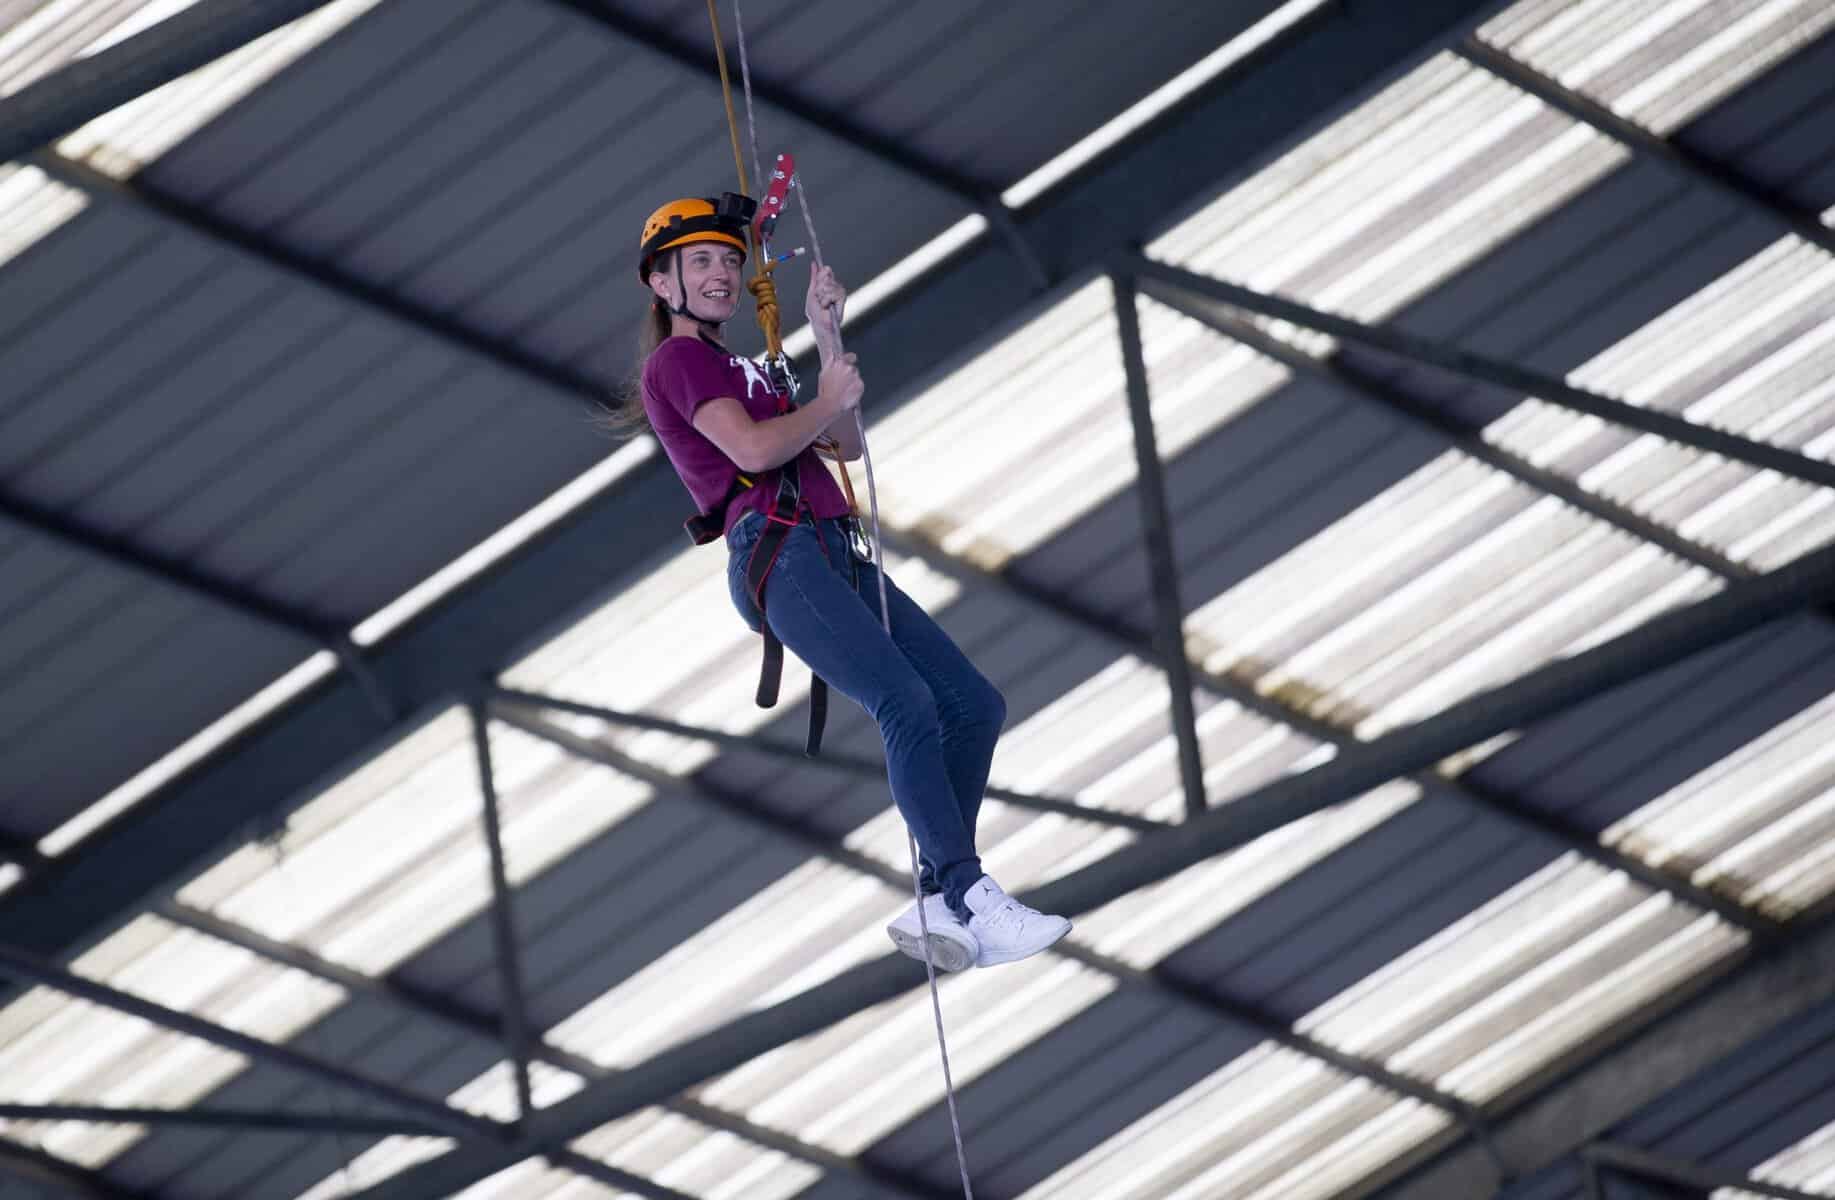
x=624, y=413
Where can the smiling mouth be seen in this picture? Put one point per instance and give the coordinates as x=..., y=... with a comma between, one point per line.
x=718, y=294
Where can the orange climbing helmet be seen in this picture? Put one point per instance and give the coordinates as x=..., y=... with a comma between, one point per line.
x=681, y=222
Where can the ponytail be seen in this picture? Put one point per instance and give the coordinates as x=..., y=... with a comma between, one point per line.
x=625, y=412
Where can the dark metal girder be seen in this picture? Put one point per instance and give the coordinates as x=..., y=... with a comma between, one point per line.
x=1697, y=169
x=440, y=1009
x=247, y=603
x=698, y=57
x=516, y=1037
x=1630, y=1160
x=23, y=965
x=1158, y=981
x=84, y=89
x=207, y=1117
x=1162, y=562
x=1467, y=437
x=1463, y=791
x=863, y=767
x=1495, y=372
x=1651, y=647
x=1129, y=192
x=1681, y=1033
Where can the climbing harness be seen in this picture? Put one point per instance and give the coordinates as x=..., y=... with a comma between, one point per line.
x=784, y=179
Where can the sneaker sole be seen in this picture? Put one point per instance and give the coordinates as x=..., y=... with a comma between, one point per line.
x=985, y=959
x=946, y=954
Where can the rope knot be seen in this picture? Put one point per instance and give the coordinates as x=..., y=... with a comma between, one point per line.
x=764, y=295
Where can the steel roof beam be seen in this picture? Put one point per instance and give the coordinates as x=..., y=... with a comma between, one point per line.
x=864, y=768
x=1697, y=169
x=698, y=58
x=350, y=289
x=1245, y=116
x=86, y=88
x=1495, y=372
x=516, y=1036
x=455, y=1017
x=207, y=1117
x=1542, y=693
x=22, y=965
x=1685, y=1031
x=1162, y=562
x=1629, y=1160
x=247, y=603
x=1158, y=981
x=1464, y=436
x=1464, y=791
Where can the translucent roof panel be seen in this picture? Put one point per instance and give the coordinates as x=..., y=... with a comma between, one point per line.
x=31, y=206
x=681, y=1153
x=391, y=857
x=1538, y=970
x=1017, y=443
x=1759, y=825
x=57, y=1049
x=127, y=138
x=753, y=956
x=672, y=645
x=493, y=1095
x=1808, y=1166
x=1657, y=64
x=1455, y=579
x=1450, y=161
x=1753, y=352
x=1444, y=164
x=1270, y=1125
x=1146, y=926
x=853, y=1083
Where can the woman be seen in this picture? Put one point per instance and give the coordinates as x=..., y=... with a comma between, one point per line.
x=745, y=455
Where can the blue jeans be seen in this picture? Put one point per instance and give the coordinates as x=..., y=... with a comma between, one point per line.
x=939, y=717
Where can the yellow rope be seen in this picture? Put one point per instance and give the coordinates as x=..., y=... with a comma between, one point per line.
x=764, y=291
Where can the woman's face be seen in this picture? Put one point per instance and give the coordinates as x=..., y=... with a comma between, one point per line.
x=711, y=272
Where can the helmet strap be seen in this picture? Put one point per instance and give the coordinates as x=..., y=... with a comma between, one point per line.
x=683, y=310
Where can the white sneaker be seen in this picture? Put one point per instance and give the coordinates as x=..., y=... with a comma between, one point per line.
x=952, y=946
x=1005, y=929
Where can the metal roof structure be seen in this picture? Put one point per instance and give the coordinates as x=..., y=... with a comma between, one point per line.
x=1384, y=454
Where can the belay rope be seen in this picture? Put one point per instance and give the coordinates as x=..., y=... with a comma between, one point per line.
x=765, y=295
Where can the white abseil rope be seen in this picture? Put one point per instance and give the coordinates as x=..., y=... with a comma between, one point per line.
x=885, y=611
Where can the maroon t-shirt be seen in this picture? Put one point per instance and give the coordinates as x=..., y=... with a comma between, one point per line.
x=683, y=374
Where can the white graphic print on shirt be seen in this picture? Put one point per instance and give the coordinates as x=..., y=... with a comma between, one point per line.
x=755, y=377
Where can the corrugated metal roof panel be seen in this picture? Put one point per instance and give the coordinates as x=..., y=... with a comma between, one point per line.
x=1496, y=996
x=1269, y=1124
x=57, y=1049
x=1759, y=825
x=1659, y=65
x=128, y=137
x=393, y=855
x=979, y=464
x=34, y=205
x=849, y=1085
x=681, y=1153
